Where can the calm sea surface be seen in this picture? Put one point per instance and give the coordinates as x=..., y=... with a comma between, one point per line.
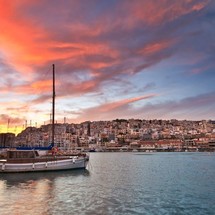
x=117, y=183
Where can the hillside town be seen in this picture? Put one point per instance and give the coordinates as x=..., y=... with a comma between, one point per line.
x=120, y=135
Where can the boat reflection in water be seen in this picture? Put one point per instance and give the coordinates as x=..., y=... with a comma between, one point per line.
x=11, y=179
x=36, y=192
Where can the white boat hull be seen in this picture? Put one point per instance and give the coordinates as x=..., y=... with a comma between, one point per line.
x=65, y=164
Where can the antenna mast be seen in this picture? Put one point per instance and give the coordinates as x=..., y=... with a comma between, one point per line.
x=53, y=105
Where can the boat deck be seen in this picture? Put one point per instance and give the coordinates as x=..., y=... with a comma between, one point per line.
x=35, y=160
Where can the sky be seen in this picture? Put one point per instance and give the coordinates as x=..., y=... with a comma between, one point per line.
x=145, y=59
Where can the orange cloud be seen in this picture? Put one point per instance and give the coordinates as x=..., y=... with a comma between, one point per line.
x=42, y=86
x=18, y=37
x=27, y=43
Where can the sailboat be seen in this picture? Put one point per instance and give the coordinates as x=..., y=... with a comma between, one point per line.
x=29, y=159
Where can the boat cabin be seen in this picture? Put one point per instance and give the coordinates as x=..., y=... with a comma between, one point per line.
x=22, y=154
x=13, y=154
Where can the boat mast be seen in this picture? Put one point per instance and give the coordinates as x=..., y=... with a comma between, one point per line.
x=53, y=105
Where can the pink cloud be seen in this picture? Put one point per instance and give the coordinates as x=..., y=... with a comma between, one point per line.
x=4, y=119
x=110, y=110
x=200, y=69
x=155, y=13
x=118, y=104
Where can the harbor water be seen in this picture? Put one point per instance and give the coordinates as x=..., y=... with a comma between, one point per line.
x=117, y=183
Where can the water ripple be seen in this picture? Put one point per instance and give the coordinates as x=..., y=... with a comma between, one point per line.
x=116, y=183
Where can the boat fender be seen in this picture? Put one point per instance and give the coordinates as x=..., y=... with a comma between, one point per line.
x=46, y=165
x=33, y=166
x=73, y=159
x=3, y=166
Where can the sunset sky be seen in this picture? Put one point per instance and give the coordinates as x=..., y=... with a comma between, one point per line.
x=142, y=59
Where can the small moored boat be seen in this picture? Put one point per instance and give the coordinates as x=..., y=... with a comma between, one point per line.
x=31, y=161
